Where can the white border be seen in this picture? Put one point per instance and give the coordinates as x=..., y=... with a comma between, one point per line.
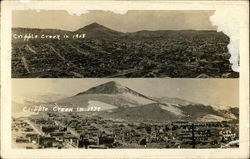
x=8, y=152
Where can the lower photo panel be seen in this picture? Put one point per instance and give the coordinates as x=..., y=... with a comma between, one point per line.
x=125, y=113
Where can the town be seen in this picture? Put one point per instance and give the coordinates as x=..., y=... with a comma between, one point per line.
x=172, y=54
x=79, y=130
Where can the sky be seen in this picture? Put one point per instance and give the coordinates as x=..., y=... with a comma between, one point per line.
x=133, y=20
x=221, y=92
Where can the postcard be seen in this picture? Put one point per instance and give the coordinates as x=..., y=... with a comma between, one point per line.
x=125, y=79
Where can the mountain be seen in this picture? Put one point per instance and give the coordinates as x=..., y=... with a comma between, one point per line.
x=95, y=30
x=173, y=101
x=111, y=87
x=145, y=113
x=166, y=34
x=110, y=93
x=39, y=31
x=120, y=102
x=117, y=101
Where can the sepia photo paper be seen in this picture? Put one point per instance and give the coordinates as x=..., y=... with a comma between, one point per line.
x=124, y=79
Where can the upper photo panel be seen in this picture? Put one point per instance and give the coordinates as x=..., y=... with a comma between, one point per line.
x=120, y=44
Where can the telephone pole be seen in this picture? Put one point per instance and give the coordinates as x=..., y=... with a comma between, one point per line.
x=193, y=136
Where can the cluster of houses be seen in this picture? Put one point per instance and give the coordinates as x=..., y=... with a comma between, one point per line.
x=75, y=131
x=175, y=56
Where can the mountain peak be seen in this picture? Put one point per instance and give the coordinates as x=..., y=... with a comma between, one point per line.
x=95, y=30
x=111, y=87
x=94, y=25
x=112, y=83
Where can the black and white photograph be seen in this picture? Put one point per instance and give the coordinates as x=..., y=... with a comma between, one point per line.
x=125, y=113
x=124, y=79
x=98, y=44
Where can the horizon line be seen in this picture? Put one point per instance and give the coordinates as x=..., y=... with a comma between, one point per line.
x=114, y=29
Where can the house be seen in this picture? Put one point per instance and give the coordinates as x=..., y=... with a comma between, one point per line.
x=106, y=140
x=32, y=137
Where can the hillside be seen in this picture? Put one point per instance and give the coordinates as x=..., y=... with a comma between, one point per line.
x=120, y=102
x=117, y=101
x=104, y=52
x=95, y=30
x=173, y=101
x=111, y=93
x=146, y=113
